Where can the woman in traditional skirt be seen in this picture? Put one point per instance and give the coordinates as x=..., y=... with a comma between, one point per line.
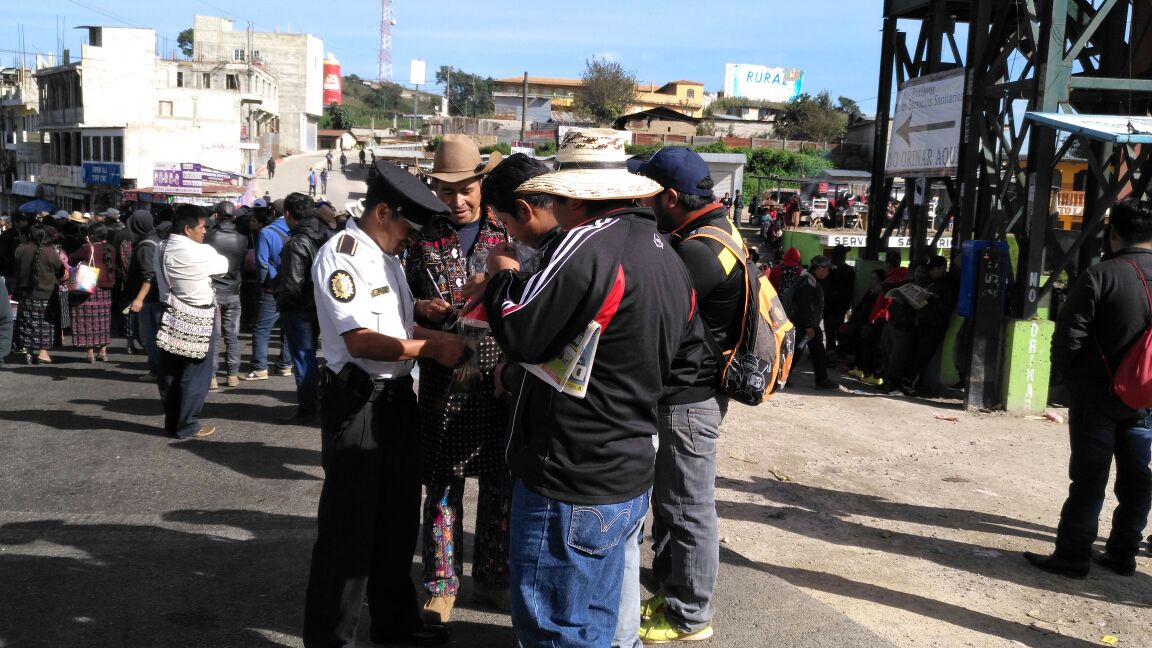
x=92, y=311
x=39, y=271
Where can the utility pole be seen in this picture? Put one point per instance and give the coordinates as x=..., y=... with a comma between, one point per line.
x=524, y=111
x=448, y=90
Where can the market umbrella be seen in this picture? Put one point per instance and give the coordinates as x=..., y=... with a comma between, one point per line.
x=38, y=205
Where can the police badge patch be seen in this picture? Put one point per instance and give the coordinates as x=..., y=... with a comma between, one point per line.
x=341, y=286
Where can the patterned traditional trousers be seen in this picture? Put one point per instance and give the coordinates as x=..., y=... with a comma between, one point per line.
x=444, y=531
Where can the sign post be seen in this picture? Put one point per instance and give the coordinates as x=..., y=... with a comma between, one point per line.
x=926, y=127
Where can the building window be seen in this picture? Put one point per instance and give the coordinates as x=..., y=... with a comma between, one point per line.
x=165, y=109
x=238, y=55
x=179, y=79
x=207, y=81
x=232, y=81
x=107, y=149
x=87, y=148
x=691, y=93
x=95, y=149
x=118, y=148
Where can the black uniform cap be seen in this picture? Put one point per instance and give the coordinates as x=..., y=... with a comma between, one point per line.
x=403, y=192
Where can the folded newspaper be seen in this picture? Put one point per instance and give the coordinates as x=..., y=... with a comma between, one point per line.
x=570, y=371
x=916, y=296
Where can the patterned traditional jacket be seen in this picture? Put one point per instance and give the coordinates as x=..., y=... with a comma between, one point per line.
x=462, y=434
x=436, y=265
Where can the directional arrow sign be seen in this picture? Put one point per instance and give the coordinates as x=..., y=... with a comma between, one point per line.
x=926, y=140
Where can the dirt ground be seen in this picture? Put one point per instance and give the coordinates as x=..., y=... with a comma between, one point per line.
x=914, y=526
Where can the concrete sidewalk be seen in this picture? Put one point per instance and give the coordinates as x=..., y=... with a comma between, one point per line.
x=113, y=535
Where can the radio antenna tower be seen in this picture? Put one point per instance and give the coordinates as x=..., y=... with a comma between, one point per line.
x=384, y=70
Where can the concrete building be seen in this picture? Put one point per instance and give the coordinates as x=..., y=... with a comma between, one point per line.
x=296, y=61
x=119, y=117
x=658, y=121
x=20, y=133
x=547, y=94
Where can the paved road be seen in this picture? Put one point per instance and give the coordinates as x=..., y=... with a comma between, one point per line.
x=292, y=175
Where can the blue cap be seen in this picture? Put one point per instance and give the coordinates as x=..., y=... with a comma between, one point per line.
x=260, y=203
x=676, y=167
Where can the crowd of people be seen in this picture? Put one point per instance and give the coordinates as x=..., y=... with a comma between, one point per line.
x=484, y=274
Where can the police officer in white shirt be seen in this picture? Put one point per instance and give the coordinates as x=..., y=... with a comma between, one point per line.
x=369, y=513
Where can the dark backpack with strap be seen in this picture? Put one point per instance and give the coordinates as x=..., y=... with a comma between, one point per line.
x=1132, y=381
x=760, y=362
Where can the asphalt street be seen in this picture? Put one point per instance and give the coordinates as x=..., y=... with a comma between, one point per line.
x=112, y=534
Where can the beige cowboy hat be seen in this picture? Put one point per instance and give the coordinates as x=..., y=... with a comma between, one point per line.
x=457, y=159
x=77, y=217
x=591, y=165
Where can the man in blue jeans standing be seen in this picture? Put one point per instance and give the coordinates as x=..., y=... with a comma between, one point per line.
x=297, y=304
x=583, y=464
x=684, y=530
x=269, y=243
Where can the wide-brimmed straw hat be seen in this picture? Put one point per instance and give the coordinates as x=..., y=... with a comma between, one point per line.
x=591, y=165
x=457, y=159
x=77, y=217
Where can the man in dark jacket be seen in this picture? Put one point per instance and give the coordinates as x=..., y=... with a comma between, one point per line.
x=233, y=246
x=804, y=303
x=583, y=465
x=838, y=290
x=1108, y=309
x=685, y=533
x=297, y=304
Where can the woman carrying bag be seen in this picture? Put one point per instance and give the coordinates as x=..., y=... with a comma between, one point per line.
x=38, y=272
x=90, y=296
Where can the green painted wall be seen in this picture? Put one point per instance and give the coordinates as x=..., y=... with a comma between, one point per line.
x=1027, y=365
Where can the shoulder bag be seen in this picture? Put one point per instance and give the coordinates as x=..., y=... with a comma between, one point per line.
x=185, y=329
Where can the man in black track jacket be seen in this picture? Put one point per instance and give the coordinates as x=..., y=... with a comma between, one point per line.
x=583, y=466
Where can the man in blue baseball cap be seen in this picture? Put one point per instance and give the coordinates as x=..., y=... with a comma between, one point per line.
x=685, y=535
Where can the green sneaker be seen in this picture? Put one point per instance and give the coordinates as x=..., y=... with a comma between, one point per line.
x=658, y=630
x=652, y=607
x=875, y=381
x=856, y=373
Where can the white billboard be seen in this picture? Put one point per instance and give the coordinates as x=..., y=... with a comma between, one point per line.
x=925, y=140
x=418, y=72
x=760, y=82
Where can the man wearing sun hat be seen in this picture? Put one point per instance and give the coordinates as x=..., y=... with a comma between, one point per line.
x=584, y=465
x=368, y=518
x=462, y=431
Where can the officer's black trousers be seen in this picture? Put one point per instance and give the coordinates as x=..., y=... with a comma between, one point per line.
x=369, y=515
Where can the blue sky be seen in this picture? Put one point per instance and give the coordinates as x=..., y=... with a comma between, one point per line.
x=835, y=42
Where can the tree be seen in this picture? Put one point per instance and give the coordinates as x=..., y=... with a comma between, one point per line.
x=812, y=118
x=340, y=119
x=851, y=108
x=607, y=90
x=184, y=41
x=469, y=95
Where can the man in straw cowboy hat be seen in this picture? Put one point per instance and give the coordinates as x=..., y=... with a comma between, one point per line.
x=462, y=430
x=584, y=465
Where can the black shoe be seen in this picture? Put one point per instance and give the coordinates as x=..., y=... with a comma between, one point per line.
x=1122, y=566
x=826, y=384
x=1059, y=566
x=429, y=635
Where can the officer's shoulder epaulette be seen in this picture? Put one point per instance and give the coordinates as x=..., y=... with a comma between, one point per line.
x=346, y=245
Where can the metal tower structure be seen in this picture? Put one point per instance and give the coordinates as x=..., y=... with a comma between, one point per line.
x=387, y=20
x=1021, y=56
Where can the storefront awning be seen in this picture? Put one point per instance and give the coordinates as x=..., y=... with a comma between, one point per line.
x=1119, y=129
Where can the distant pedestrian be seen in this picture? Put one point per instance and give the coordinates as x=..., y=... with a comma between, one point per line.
x=328, y=159
x=312, y=182
x=804, y=303
x=324, y=179
x=362, y=156
x=92, y=310
x=738, y=203
x=1105, y=315
x=727, y=202
x=271, y=168
x=343, y=160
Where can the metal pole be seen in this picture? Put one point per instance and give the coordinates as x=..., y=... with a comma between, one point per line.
x=878, y=192
x=524, y=111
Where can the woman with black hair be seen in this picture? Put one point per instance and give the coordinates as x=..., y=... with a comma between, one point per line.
x=38, y=271
x=92, y=311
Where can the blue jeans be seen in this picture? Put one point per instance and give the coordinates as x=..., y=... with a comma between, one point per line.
x=266, y=318
x=565, y=564
x=301, y=332
x=1096, y=439
x=147, y=324
x=228, y=326
x=628, y=619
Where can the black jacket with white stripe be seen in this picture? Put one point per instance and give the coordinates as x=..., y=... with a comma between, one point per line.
x=618, y=270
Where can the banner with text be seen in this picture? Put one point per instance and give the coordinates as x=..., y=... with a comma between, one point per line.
x=761, y=82
x=925, y=140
